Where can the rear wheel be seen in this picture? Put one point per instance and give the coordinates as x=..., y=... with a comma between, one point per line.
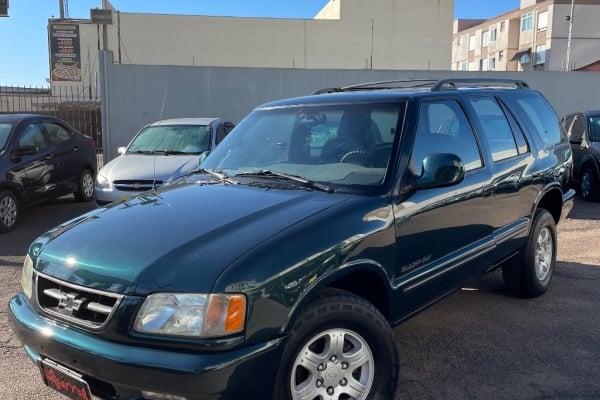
x=341, y=348
x=529, y=273
x=589, y=185
x=85, y=190
x=9, y=211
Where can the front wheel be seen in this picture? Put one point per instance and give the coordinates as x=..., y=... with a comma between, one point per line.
x=85, y=189
x=341, y=348
x=529, y=273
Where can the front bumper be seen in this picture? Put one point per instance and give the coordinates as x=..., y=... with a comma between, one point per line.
x=120, y=371
x=106, y=195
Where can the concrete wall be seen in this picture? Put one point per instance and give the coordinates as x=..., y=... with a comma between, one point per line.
x=140, y=94
x=346, y=34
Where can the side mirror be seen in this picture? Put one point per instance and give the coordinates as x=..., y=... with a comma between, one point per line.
x=441, y=169
x=25, y=151
x=121, y=150
x=575, y=139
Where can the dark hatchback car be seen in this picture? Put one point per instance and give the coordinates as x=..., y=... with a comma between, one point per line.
x=278, y=269
x=41, y=158
x=583, y=129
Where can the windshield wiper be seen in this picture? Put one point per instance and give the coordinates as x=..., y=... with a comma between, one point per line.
x=162, y=152
x=306, y=182
x=217, y=174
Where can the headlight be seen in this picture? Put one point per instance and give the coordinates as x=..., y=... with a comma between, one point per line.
x=102, y=181
x=198, y=315
x=27, y=276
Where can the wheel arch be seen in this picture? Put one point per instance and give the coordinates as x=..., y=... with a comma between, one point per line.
x=364, y=280
x=551, y=200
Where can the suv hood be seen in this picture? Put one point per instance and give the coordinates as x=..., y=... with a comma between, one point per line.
x=149, y=167
x=161, y=240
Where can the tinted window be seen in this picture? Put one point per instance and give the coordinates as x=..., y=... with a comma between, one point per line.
x=495, y=127
x=443, y=128
x=57, y=133
x=595, y=129
x=539, y=117
x=32, y=136
x=5, y=129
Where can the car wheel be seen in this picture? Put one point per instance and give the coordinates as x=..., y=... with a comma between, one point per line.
x=529, y=273
x=9, y=211
x=341, y=347
x=588, y=185
x=85, y=191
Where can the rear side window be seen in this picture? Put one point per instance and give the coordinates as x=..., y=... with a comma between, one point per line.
x=539, y=117
x=496, y=127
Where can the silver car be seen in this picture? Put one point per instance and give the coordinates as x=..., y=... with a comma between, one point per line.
x=160, y=152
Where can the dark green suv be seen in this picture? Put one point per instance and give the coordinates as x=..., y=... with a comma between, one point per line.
x=277, y=270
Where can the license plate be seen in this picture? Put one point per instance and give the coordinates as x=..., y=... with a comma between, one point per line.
x=65, y=381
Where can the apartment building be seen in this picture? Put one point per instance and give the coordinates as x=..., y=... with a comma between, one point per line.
x=542, y=35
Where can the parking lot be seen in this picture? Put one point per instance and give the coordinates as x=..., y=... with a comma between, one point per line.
x=478, y=343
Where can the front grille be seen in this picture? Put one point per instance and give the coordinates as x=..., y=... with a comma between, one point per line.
x=136, y=185
x=84, y=306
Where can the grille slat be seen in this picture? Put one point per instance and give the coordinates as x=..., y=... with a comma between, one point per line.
x=73, y=303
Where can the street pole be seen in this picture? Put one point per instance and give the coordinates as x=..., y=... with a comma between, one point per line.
x=104, y=30
x=61, y=9
x=568, y=61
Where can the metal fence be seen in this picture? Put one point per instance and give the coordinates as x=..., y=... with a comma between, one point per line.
x=73, y=105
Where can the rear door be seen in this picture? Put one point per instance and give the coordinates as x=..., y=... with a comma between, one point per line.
x=69, y=152
x=35, y=166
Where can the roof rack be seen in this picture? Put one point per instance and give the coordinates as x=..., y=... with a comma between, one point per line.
x=389, y=84
x=434, y=84
x=445, y=84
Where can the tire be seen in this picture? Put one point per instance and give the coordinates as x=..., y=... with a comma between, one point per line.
x=363, y=365
x=85, y=189
x=9, y=211
x=589, y=185
x=529, y=273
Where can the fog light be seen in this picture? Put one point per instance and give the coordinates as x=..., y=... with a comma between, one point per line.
x=160, y=396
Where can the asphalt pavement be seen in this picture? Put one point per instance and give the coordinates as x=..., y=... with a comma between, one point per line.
x=478, y=343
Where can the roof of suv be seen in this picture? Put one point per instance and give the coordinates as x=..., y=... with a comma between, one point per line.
x=393, y=89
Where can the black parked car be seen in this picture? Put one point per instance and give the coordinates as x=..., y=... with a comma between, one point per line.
x=41, y=157
x=584, y=134
x=277, y=270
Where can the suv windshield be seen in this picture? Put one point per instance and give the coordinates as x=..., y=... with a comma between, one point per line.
x=345, y=144
x=174, y=139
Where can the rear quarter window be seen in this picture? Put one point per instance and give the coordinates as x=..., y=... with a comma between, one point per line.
x=538, y=117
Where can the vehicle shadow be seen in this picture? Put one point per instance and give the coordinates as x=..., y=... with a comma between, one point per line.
x=585, y=209
x=36, y=220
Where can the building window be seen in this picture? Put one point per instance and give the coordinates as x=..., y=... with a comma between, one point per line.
x=501, y=55
x=542, y=21
x=492, y=64
x=464, y=66
x=458, y=41
x=484, y=64
x=502, y=26
x=493, y=35
x=540, y=54
x=527, y=22
x=472, y=43
x=485, y=38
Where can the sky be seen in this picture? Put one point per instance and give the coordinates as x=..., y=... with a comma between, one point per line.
x=24, y=38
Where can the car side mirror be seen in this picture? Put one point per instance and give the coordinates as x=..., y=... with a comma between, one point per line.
x=121, y=150
x=25, y=151
x=575, y=139
x=441, y=169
